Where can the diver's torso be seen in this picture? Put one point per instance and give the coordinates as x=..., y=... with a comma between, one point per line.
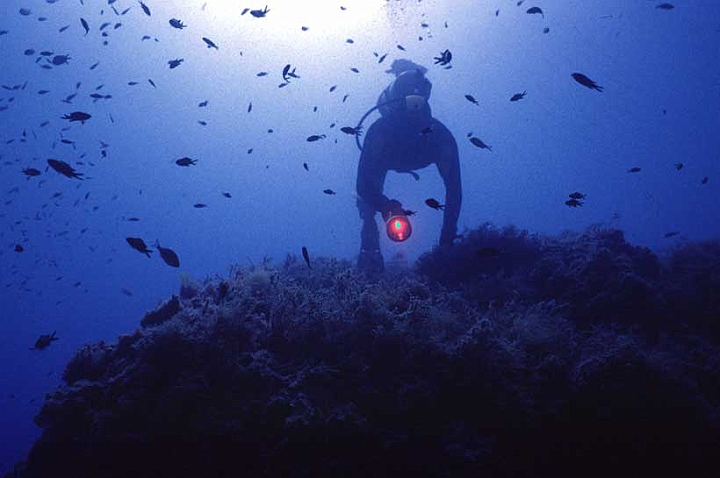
x=403, y=145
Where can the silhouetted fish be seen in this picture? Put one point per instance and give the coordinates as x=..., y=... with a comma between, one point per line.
x=168, y=255
x=139, y=245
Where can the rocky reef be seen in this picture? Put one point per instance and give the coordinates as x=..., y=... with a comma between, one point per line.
x=509, y=354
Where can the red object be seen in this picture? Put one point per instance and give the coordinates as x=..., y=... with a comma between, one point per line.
x=398, y=228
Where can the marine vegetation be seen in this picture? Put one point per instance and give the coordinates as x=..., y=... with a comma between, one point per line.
x=507, y=354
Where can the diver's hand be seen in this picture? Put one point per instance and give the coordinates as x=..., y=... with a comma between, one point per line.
x=392, y=207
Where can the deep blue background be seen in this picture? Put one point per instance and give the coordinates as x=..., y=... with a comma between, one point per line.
x=660, y=71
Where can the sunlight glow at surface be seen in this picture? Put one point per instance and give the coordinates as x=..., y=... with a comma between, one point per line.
x=289, y=15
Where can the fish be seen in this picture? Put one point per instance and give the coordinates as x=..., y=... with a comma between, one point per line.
x=444, y=58
x=203, y=104
x=382, y=58
x=145, y=9
x=139, y=245
x=679, y=166
x=227, y=195
x=18, y=248
x=587, y=82
x=210, y=43
x=185, y=161
x=85, y=25
x=704, y=180
x=29, y=172
x=152, y=83
x=249, y=108
x=315, y=137
x=671, y=234
x=665, y=6
x=168, y=255
x=175, y=23
x=518, y=96
x=634, y=170
x=306, y=256
x=333, y=88
x=200, y=205
x=304, y=28
x=175, y=63
x=44, y=341
x=576, y=195
x=532, y=10
x=573, y=203
x=77, y=116
x=471, y=99
x=478, y=142
x=259, y=13
x=261, y=73
x=356, y=131
x=287, y=73
x=433, y=203
x=354, y=70
x=64, y=168
x=305, y=165
x=329, y=192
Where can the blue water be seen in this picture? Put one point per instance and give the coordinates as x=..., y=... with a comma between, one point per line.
x=659, y=69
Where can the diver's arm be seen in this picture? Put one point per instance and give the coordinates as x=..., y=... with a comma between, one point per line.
x=449, y=168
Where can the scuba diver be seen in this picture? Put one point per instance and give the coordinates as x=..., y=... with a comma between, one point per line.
x=406, y=137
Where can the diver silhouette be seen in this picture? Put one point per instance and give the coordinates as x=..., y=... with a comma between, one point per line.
x=406, y=137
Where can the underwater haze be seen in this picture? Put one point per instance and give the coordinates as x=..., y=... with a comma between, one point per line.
x=212, y=128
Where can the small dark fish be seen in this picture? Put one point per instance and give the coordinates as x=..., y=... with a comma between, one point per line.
x=478, y=142
x=518, y=96
x=259, y=13
x=304, y=28
x=471, y=99
x=145, y=9
x=133, y=219
x=152, y=83
x=671, y=234
x=354, y=70
x=679, y=166
x=62, y=29
x=576, y=195
x=186, y=161
x=29, y=52
x=44, y=341
x=249, y=108
x=262, y=73
x=168, y=255
x=400, y=47
x=94, y=65
x=64, y=168
x=634, y=170
x=31, y=172
x=175, y=63
x=573, y=203
x=43, y=92
x=382, y=58
x=315, y=137
x=665, y=6
x=175, y=23
x=202, y=123
x=444, y=59
x=306, y=256
x=18, y=248
x=433, y=203
x=587, y=82
x=203, y=104
x=329, y=191
x=426, y=131
x=245, y=10
x=85, y=25
x=77, y=116
x=305, y=165
x=352, y=131
x=127, y=292
x=333, y=88
x=488, y=252
x=139, y=245
x=535, y=10
x=210, y=43
x=227, y=195
x=200, y=205
x=546, y=30
x=408, y=212
x=704, y=180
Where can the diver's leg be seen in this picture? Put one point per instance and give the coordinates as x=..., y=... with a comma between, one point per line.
x=370, y=258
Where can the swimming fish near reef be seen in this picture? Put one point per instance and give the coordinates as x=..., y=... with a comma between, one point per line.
x=145, y=9
x=210, y=43
x=329, y=192
x=139, y=245
x=587, y=82
x=186, y=161
x=64, y=168
x=518, y=96
x=478, y=142
x=77, y=116
x=44, y=341
x=315, y=137
x=433, y=203
x=306, y=256
x=168, y=255
x=471, y=99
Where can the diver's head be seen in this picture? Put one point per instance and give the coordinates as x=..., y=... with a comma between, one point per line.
x=411, y=83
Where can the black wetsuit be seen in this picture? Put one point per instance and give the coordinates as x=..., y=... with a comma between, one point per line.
x=405, y=141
